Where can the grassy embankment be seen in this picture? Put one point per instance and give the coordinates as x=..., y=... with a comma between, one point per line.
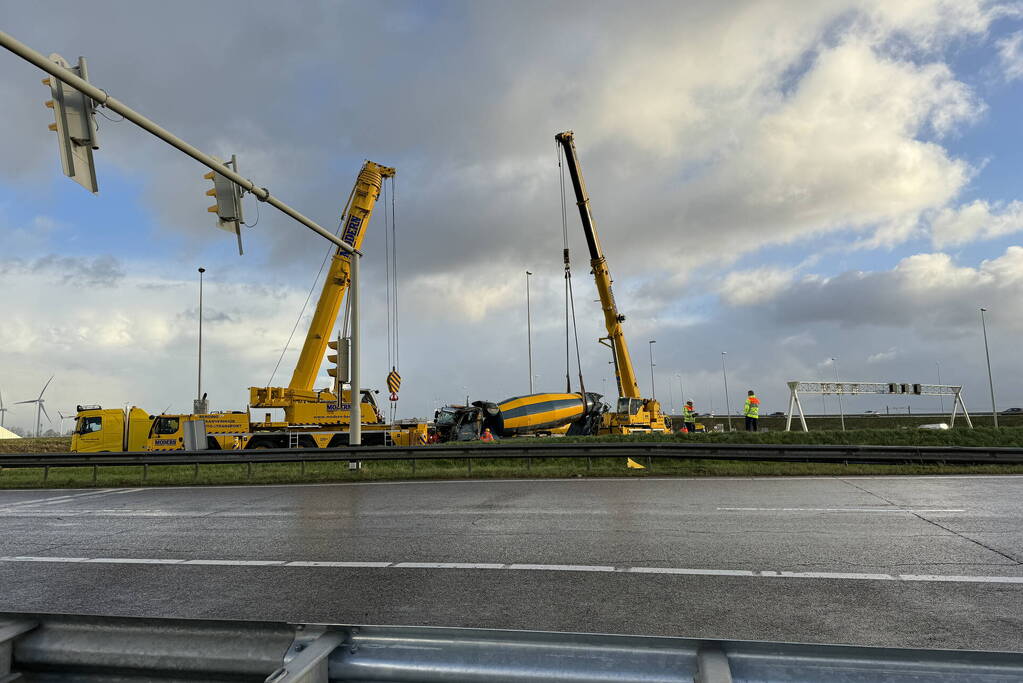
x=178, y=475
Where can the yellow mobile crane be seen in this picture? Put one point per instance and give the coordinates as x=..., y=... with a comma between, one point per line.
x=312, y=418
x=633, y=412
x=302, y=403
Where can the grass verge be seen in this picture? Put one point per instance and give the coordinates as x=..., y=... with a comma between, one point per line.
x=293, y=473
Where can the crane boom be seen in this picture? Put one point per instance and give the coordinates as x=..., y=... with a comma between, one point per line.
x=626, y=375
x=364, y=197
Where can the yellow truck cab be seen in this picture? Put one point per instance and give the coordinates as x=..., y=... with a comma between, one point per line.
x=111, y=430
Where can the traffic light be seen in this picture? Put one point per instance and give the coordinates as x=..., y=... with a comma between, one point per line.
x=74, y=122
x=340, y=361
x=229, y=201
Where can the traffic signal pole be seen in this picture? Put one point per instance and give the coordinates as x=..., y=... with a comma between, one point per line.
x=101, y=98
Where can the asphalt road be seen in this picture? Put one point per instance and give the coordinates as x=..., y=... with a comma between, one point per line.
x=909, y=561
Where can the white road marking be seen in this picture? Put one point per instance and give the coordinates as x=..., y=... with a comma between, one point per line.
x=843, y=509
x=602, y=569
x=74, y=496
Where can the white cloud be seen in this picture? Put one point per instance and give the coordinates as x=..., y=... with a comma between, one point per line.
x=978, y=220
x=924, y=291
x=746, y=287
x=883, y=356
x=1010, y=55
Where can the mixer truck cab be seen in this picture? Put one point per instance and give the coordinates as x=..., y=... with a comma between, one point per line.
x=111, y=430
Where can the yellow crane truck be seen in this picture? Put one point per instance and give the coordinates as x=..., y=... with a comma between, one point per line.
x=313, y=418
x=633, y=412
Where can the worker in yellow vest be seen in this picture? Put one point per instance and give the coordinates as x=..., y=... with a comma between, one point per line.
x=689, y=417
x=752, y=411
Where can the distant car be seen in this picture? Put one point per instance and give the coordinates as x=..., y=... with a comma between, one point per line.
x=777, y=414
x=870, y=412
x=1012, y=411
x=939, y=425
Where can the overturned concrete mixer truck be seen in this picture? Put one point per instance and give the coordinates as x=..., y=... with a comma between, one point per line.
x=534, y=414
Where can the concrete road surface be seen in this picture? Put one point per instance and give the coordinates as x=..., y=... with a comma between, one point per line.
x=900, y=561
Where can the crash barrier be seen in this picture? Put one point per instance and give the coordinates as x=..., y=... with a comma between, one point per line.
x=90, y=648
x=639, y=451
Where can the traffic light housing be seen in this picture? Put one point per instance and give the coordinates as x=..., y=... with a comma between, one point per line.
x=340, y=360
x=229, y=201
x=74, y=122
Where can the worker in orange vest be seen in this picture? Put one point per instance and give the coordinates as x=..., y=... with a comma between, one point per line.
x=752, y=411
x=487, y=436
x=689, y=417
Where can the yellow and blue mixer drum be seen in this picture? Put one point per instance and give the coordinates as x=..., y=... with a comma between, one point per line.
x=526, y=414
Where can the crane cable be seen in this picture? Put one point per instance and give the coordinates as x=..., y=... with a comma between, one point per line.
x=312, y=288
x=569, y=294
x=391, y=268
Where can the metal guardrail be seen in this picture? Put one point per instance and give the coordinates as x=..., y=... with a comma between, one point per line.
x=477, y=451
x=86, y=648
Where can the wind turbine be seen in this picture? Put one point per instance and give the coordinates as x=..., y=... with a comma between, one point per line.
x=40, y=408
x=63, y=417
x=2, y=410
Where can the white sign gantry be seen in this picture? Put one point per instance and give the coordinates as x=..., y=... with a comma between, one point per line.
x=845, y=388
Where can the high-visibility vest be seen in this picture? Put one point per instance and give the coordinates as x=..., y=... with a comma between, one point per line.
x=752, y=408
x=688, y=414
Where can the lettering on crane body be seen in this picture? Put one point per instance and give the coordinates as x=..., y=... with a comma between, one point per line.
x=351, y=229
x=333, y=407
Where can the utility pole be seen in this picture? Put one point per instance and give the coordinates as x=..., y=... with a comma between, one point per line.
x=838, y=390
x=101, y=98
x=529, y=334
x=990, y=378
x=198, y=408
x=728, y=403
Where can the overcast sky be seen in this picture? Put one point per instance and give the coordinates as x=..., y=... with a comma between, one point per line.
x=786, y=182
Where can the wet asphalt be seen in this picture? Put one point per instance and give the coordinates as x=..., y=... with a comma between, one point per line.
x=831, y=531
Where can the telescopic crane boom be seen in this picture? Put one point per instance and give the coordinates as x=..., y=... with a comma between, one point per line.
x=626, y=375
x=636, y=413
x=364, y=197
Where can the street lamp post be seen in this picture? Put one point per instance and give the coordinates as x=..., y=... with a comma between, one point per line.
x=653, y=389
x=529, y=333
x=728, y=403
x=681, y=392
x=990, y=379
x=838, y=390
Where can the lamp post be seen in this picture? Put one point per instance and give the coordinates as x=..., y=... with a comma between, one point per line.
x=990, y=379
x=671, y=397
x=681, y=393
x=529, y=334
x=838, y=390
x=653, y=389
x=728, y=403
x=941, y=397
x=198, y=391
